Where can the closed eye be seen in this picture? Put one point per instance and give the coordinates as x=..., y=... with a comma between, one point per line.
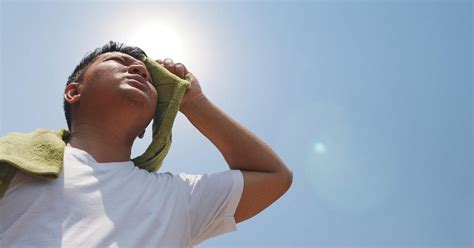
x=121, y=60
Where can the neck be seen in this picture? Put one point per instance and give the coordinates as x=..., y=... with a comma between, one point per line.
x=103, y=144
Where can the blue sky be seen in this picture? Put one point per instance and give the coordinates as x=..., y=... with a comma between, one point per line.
x=368, y=102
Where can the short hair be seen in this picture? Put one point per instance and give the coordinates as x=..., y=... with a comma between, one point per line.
x=78, y=73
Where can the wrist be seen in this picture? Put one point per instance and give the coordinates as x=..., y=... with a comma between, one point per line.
x=187, y=107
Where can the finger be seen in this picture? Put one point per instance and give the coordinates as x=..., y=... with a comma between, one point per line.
x=180, y=70
x=160, y=61
x=169, y=65
x=168, y=61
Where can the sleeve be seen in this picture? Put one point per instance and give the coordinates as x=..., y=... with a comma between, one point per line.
x=213, y=199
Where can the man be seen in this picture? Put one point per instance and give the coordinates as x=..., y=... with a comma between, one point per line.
x=101, y=199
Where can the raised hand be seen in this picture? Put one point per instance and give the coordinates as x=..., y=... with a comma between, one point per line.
x=191, y=94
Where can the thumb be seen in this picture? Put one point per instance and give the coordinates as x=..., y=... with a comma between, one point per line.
x=189, y=77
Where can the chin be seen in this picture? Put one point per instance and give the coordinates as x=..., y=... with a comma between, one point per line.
x=135, y=100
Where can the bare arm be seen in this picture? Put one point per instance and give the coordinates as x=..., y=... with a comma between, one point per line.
x=266, y=177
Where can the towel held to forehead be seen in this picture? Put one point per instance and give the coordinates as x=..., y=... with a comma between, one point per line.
x=40, y=153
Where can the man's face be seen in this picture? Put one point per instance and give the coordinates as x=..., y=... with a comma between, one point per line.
x=116, y=85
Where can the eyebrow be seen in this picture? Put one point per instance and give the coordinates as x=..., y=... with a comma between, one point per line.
x=126, y=58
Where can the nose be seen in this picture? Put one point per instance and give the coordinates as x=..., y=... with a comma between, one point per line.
x=140, y=69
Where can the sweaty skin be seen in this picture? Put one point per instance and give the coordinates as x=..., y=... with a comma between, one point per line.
x=111, y=108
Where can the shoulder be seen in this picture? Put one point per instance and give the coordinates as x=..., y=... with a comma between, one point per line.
x=221, y=177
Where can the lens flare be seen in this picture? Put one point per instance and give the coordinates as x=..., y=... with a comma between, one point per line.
x=319, y=148
x=356, y=177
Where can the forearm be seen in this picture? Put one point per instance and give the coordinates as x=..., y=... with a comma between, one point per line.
x=241, y=149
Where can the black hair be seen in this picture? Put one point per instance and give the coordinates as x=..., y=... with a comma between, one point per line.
x=78, y=73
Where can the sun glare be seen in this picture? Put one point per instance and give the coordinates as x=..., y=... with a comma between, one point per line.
x=159, y=41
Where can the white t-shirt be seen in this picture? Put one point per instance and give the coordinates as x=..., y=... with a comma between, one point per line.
x=116, y=204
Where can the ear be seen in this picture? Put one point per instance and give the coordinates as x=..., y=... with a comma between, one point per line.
x=71, y=93
x=141, y=134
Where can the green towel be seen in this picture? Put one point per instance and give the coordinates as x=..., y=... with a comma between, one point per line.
x=40, y=153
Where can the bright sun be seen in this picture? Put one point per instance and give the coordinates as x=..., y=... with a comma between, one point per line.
x=158, y=41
